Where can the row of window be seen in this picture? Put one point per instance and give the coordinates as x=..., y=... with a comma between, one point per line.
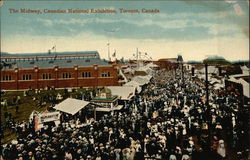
x=48, y=76
x=86, y=74
x=6, y=78
x=48, y=58
x=27, y=77
x=24, y=77
x=105, y=74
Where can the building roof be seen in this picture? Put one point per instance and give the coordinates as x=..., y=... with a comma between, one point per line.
x=71, y=106
x=215, y=57
x=62, y=63
x=5, y=54
x=168, y=59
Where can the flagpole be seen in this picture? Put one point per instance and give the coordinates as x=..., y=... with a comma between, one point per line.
x=108, y=52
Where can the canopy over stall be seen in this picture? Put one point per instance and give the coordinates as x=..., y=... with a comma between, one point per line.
x=124, y=92
x=102, y=109
x=71, y=106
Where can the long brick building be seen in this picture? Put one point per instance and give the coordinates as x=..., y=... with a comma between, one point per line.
x=58, y=70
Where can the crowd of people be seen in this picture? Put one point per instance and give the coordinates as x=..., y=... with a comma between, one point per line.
x=167, y=120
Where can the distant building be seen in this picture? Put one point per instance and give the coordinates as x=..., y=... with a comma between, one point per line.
x=216, y=60
x=168, y=63
x=57, y=70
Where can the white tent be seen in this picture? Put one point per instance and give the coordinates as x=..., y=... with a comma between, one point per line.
x=132, y=83
x=71, y=106
x=125, y=92
x=142, y=79
x=210, y=70
x=129, y=70
x=244, y=84
x=245, y=70
x=246, y=87
x=152, y=65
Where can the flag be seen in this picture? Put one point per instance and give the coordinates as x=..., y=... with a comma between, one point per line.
x=114, y=54
x=54, y=48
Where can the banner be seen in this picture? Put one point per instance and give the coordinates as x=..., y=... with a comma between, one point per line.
x=50, y=116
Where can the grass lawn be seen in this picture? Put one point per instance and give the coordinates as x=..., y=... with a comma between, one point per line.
x=27, y=104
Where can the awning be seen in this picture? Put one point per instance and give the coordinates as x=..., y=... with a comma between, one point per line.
x=125, y=92
x=102, y=109
x=245, y=85
x=71, y=106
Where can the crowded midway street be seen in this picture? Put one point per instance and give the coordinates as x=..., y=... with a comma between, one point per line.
x=169, y=119
x=124, y=80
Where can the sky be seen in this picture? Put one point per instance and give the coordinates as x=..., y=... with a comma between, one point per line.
x=194, y=29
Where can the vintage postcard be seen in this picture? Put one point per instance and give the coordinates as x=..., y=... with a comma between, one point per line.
x=124, y=80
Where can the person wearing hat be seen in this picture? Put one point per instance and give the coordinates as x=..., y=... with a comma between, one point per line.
x=31, y=156
x=68, y=156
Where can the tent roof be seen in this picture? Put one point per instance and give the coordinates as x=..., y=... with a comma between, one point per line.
x=132, y=83
x=245, y=85
x=71, y=106
x=142, y=79
x=125, y=92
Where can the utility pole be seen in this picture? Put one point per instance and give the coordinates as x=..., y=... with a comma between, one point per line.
x=207, y=96
x=208, y=107
x=182, y=72
x=137, y=60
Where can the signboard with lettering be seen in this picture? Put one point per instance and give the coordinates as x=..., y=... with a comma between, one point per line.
x=50, y=116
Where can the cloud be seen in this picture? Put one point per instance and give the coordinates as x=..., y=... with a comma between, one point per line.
x=172, y=26
x=181, y=23
x=192, y=15
x=46, y=22
x=232, y=48
x=73, y=21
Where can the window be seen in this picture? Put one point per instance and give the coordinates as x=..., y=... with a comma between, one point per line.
x=105, y=74
x=46, y=76
x=6, y=78
x=27, y=77
x=66, y=75
x=86, y=74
